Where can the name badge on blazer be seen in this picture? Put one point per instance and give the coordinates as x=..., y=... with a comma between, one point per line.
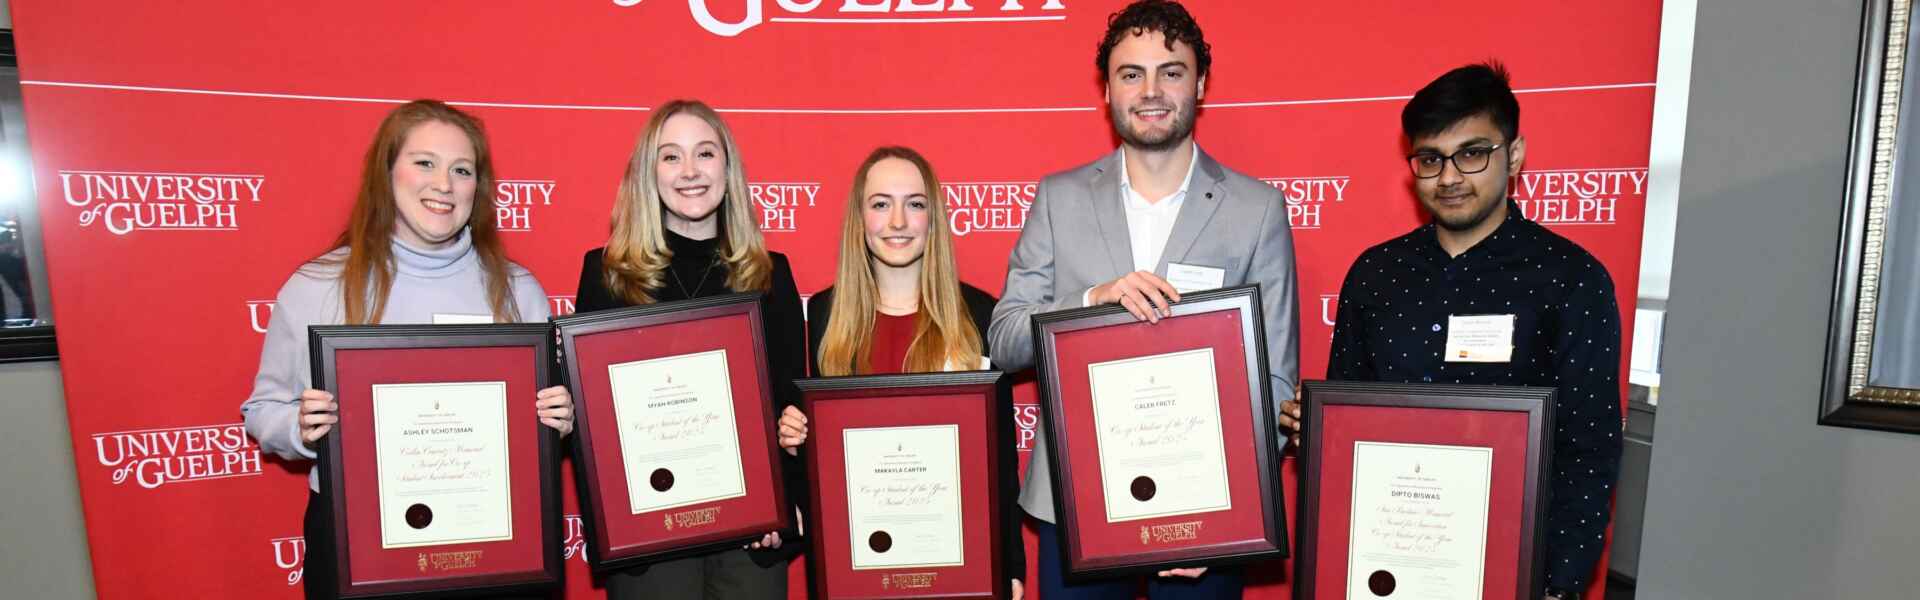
x=1193, y=278
x=1480, y=338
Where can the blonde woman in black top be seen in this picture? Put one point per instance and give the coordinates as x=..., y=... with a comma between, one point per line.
x=683, y=227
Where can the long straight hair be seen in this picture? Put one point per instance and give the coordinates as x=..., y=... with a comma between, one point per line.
x=944, y=332
x=637, y=252
x=367, y=270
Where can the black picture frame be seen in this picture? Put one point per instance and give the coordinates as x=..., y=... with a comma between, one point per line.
x=1267, y=457
x=1536, y=402
x=997, y=388
x=583, y=449
x=325, y=340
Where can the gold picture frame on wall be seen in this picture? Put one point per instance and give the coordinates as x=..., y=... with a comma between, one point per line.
x=1872, y=376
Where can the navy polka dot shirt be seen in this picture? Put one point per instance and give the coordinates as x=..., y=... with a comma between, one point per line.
x=1392, y=326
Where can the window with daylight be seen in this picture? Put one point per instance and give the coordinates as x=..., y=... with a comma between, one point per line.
x=26, y=316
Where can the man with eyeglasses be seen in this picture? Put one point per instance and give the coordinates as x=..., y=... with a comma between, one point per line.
x=1482, y=295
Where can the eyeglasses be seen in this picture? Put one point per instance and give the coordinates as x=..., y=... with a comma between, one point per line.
x=1469, y=160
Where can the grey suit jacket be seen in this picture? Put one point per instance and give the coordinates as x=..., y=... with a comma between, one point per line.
x=1076, y=237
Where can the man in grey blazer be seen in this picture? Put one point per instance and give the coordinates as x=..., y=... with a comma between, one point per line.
x=1136, y=228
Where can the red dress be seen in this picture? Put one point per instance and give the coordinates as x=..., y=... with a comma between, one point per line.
x=892, y=336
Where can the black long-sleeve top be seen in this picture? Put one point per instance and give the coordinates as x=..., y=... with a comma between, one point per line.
x=1013, y=551
x=695, y=272
x=1392, y=326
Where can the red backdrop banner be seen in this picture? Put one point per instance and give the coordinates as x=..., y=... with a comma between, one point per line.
x=188, y=156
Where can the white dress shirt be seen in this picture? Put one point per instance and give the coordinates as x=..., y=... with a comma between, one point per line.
x=1149, y=224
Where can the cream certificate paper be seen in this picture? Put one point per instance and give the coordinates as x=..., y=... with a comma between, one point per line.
x=677, y=434
x=1419, y=525
x=903, y=496
x=1157, y=421
x=441, y=455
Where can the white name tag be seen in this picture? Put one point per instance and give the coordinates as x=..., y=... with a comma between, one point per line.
x=1480, y=338
x=985, y=363
x=460, y=319
x=1192, y=278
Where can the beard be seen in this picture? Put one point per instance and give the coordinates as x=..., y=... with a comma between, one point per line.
x=1468, y=222
x=1178, y=129
x=1476, y=217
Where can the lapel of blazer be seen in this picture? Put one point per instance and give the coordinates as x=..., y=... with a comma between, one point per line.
x=1195, y=211
x=1111, y=216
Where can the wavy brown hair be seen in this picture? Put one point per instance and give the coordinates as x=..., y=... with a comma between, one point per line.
x=366, y=273
x=1164, y=16
x=637, y=252
x=944, y=331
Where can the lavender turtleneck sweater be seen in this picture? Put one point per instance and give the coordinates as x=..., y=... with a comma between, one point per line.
x=445, y=284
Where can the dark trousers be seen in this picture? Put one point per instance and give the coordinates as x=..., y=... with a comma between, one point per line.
x=317, y=574
x=1219, y=583
x=725, y=575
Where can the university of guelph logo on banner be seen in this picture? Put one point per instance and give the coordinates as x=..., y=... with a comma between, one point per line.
x=151, y=458
x=290, y=555
x=780, y=204
x=1329, y=308
x=988, y=206
x=576, y=544
x=1577, y=196
x=123, y=202
x=259, y=314
x=1306, y=196
x=1026, y=418
x=805, y=11
x=560, y=305
x=515, y=202
x=1329, y=311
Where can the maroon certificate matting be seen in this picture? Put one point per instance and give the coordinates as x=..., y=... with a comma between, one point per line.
x=1161, y=435
x=675, y=452
x=1422, y=490
x=427, y=499
x=906, y=502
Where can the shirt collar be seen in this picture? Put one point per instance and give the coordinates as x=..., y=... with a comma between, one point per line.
x=1126, y=182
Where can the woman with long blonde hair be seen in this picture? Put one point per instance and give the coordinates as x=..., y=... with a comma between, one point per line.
x=416, y=249
x=684, y=227
x=897, y=305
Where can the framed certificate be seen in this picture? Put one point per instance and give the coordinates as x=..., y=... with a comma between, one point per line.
x=439, y=478
x=907, y=501
x=1423, y=491
x=1162, y=435
x=674, y=449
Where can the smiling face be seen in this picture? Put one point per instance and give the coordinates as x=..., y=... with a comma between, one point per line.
x=896, y=212
x=1468, y=202
x=434, y=179
x=690, y=174
x=1153, y=93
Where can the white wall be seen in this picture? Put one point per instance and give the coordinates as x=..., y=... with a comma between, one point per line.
x=43, y=542
x=1669, y=136
x=1749, y=497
